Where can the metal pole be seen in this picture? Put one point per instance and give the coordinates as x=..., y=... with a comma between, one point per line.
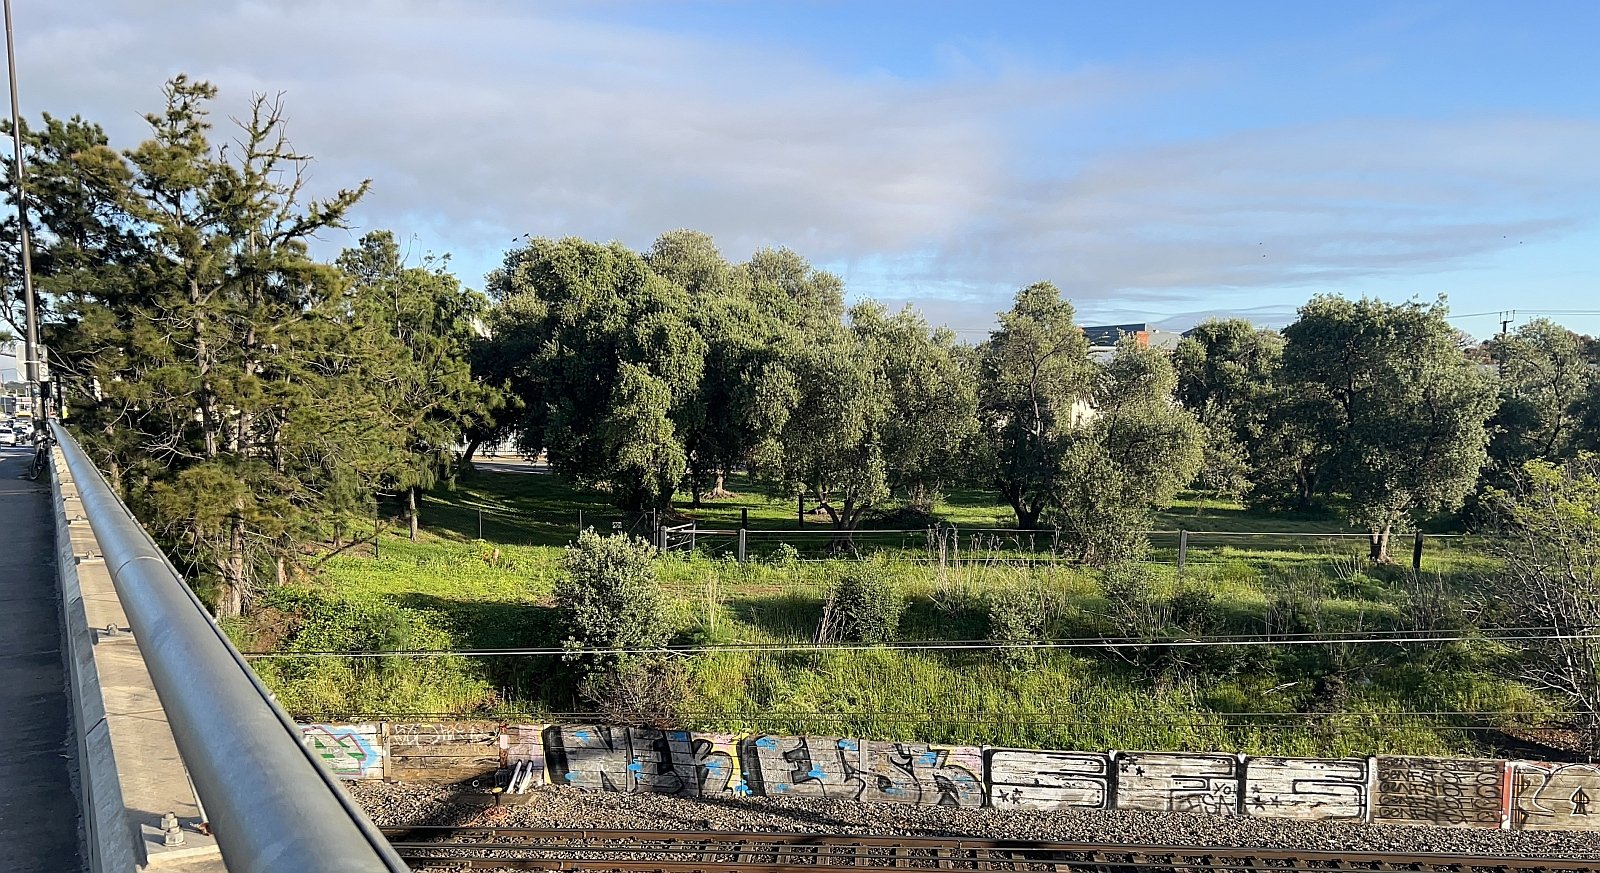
x=480, y=524
x=1416, y=554
x=273, y=804
x=1183, y=549
x=25, y=238
x=742, y=534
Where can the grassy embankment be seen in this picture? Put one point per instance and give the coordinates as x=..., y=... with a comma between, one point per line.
x=452, y=590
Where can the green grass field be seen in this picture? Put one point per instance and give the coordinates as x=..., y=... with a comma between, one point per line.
x=1330, y=699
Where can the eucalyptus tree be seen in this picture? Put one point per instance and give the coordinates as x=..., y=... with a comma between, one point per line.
x=1034, y=387
x=601, y=352
x=1395, y=411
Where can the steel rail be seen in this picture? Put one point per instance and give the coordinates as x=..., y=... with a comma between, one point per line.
x=272, y=804
x=725, y=851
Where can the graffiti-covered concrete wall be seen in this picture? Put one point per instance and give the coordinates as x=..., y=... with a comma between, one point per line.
x=1459, y=792
x=351, y=751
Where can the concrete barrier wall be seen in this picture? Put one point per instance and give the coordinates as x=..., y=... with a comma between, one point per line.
x=109, y=834
x=1463, y=792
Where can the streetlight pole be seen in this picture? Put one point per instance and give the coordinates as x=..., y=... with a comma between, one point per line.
x=31, y=353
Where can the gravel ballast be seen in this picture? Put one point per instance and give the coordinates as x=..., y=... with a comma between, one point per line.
x=404, y=804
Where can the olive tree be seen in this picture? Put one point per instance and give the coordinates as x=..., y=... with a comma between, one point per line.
x=1395, y=411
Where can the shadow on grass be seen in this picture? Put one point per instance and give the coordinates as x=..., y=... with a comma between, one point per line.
x=542, y=680
x=788, y=616
x=488, y=624
x=926, y=619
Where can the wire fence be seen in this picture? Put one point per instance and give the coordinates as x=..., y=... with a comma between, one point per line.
x=953, y=545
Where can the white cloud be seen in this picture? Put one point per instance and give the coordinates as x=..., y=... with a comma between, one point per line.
x=480, y=121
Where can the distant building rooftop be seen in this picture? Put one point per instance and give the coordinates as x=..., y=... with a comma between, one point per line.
x=1149, y=336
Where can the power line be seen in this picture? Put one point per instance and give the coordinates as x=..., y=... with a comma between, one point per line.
x=1370, y=638
x=1373, y=721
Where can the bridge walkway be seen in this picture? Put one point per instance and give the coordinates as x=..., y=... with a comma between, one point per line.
x=40, y=824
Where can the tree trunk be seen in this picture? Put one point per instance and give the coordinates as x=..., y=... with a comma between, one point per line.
x=1027, y=516
x=1378, y=542
x=1013, y=496
x=1305, y=480
x=230, y=599
x=411, y=510
x=472, y=449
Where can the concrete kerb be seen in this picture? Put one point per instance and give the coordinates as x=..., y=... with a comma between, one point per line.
x=108, y=833
x=137, y=747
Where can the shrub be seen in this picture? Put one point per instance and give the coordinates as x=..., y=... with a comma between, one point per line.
x=287, y=619
x=608, y=597
x=643, y=692
x=785, y=555
x=1017, y=615
x=865, y=607
x=1129, y=590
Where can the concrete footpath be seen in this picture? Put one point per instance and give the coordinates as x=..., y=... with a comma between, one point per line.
x=40, y=826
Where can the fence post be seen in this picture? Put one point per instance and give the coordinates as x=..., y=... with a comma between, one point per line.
x=744, y=518
x=580, y=521
x=480, y=524
x=742, y=533
x=1416, y=554
x=800, y=510
x=1183, y=549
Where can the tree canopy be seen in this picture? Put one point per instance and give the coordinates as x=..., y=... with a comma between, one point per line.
x=1396, y=411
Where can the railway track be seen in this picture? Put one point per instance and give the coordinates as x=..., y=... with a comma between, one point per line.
x=476, y=848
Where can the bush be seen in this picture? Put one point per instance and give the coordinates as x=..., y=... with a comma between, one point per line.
x=608, y=597
x=287, y=619
x=643, y=692
x=1017, y=615
x=865, y=607
x=1129, y=589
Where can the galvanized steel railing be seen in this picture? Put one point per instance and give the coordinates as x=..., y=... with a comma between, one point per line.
x=272, y=804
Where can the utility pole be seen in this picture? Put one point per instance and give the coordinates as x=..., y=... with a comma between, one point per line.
x=1505, y=320
x=31, y=353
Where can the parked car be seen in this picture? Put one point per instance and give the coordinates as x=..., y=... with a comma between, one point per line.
x=8, y=437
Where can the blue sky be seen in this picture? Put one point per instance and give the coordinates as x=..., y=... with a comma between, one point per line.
x=1154, y=159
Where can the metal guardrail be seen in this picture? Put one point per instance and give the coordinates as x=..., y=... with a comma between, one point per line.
x=272, y=804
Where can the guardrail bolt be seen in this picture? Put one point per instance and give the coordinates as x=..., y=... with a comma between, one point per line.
x=169, y=827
